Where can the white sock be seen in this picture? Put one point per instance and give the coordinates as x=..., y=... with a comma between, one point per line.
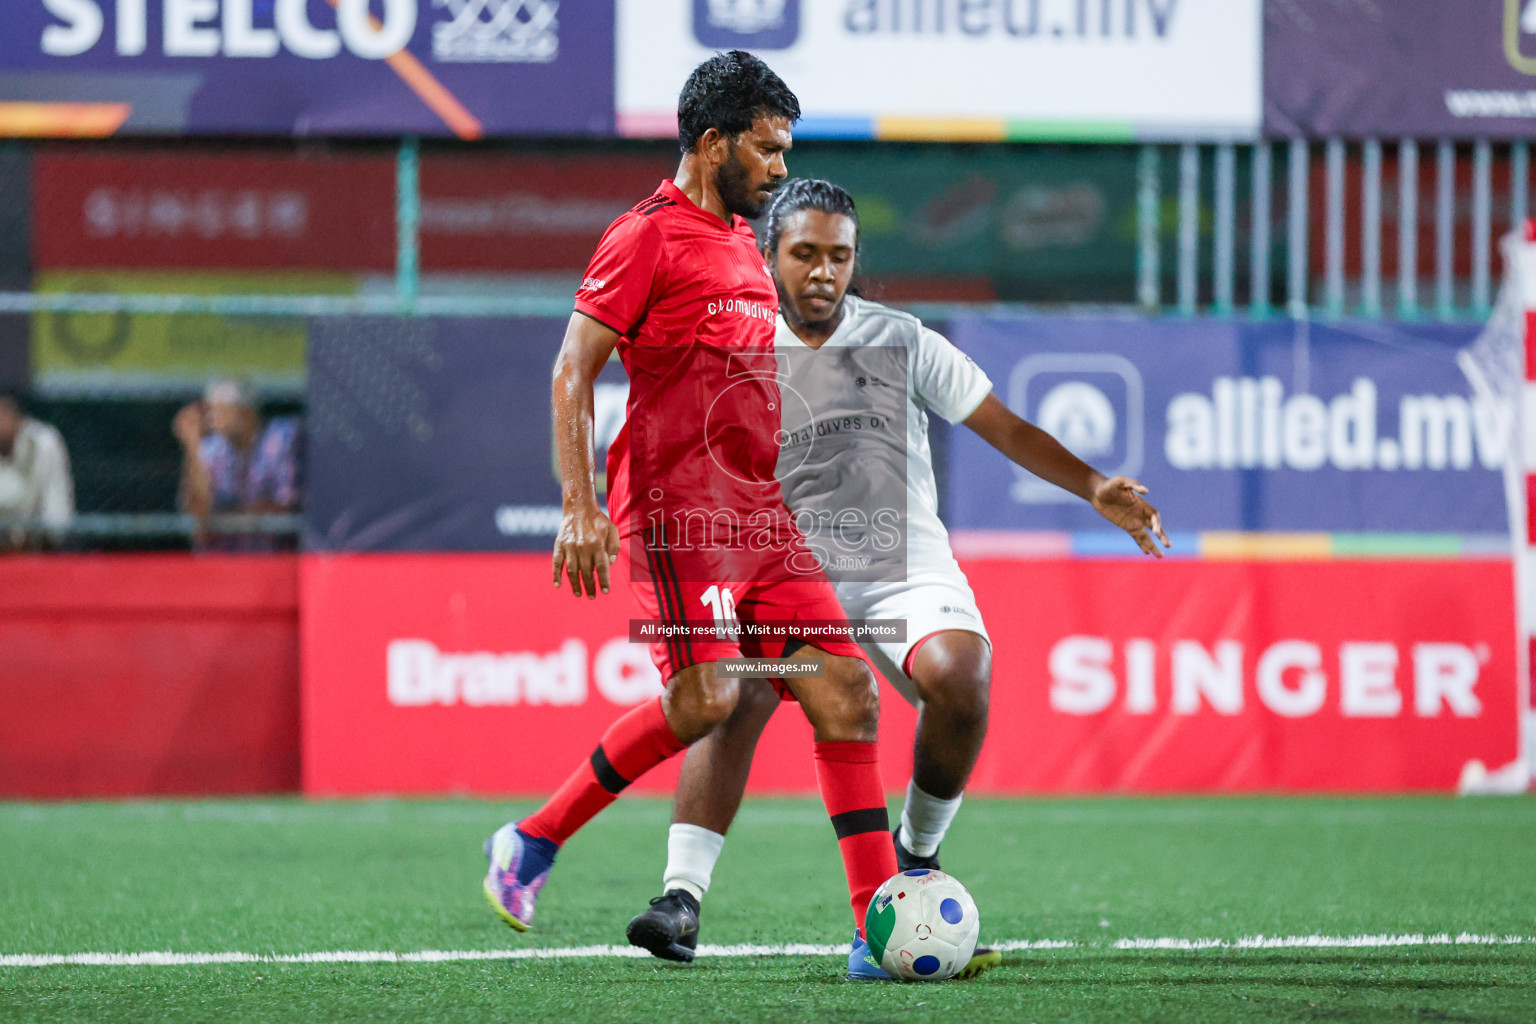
x=924, y=820
x=691, y=855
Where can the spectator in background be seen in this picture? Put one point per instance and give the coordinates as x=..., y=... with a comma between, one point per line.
x=37, y=495
x=234, y=463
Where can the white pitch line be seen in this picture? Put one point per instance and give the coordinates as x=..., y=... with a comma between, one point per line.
x=435, y=956
x=1326, y=941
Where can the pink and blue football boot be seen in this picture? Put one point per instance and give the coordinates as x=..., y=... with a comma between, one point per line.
x=519, y=867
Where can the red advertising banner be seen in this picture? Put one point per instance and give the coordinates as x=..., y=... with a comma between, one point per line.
x=497, y=213
x=127, y=675
x=211, y=211
x=439, y=673
x=542, y=213
x=507, y=212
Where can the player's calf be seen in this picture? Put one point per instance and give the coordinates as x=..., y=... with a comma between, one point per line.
x=952, y=672
x=709, y=791
x=521, y=853
x=959, y=697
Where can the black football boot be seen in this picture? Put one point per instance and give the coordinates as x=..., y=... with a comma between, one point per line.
x=670, y=929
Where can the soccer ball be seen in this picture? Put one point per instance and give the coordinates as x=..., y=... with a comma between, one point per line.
x=922, y=926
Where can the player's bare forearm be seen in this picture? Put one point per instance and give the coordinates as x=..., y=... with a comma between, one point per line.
x=1028, y=446
x=585, y=349
x=587, y=541
x=196, y=488
x=1118, y=499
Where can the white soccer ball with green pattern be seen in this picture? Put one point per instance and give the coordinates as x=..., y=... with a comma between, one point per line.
x=922, y=926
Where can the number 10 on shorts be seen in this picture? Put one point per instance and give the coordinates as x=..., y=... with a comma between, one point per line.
x=722, y=605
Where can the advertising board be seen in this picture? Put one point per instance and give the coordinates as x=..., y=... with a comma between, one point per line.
x=96, y=209
x=1240, y=426
x=468, y=68
x=434, y=435
x=991, y=69
x=1425, y=68
x=82, y=352
x=469, y=673
x=197, y=210
x=1349, y=429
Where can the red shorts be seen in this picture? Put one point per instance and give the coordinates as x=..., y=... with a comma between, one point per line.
x=674, y=588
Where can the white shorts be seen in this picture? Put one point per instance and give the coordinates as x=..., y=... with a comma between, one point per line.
x=931, y=604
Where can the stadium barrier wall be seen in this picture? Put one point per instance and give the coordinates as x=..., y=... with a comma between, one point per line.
x=464, y=673
x=461, y=673
x=163, y=674
x=1337, y=614
x=1333, y=618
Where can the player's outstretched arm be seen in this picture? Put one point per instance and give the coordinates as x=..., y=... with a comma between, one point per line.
x=588, y=542
x=1119, y=499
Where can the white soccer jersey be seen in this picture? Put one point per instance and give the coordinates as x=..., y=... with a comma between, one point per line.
x=860, y=437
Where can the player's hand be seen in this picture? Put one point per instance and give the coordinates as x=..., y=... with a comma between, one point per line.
x=586, y=545
x=188, y=425
x=1120, y=500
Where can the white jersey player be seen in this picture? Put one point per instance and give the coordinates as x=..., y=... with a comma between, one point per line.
x=858, y=445
x=858, y=381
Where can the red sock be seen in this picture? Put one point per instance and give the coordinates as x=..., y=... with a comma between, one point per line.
x=632, y=746
x=849, y=775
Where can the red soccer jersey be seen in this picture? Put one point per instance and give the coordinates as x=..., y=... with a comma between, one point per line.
x=695, y=308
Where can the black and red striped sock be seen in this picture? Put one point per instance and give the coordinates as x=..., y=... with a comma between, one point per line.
x=632, y=746
x=849, y=776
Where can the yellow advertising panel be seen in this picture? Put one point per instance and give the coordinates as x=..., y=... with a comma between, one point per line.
x=174, y=347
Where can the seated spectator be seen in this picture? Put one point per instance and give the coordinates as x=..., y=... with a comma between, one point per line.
x=37, y=495
x=233, y=463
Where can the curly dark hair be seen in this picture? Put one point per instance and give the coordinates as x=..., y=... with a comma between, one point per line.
x=727, y=93
x=799, y=194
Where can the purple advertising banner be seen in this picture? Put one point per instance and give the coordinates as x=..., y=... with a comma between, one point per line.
x=468, y=68
x=434, y=434
x=1457, y=68
x=1358, y=428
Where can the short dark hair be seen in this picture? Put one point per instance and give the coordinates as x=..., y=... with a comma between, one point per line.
x=727, y=93
x=799, y=194
x=15, y=397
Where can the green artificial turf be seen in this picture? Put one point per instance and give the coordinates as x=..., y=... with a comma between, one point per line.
x=286, y=876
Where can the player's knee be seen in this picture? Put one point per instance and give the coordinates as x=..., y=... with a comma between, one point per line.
x=961, y=697
x=956, y=684
x=857, y=706
x=696, y=706
x=757, y=699
x=715, y=703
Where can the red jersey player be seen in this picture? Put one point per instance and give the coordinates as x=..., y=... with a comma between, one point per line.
x=679, y=288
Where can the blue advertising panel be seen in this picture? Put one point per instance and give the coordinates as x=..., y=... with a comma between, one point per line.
x=1281, y=426
x=1424, y=68
x=434, y=434
x=310, y=67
